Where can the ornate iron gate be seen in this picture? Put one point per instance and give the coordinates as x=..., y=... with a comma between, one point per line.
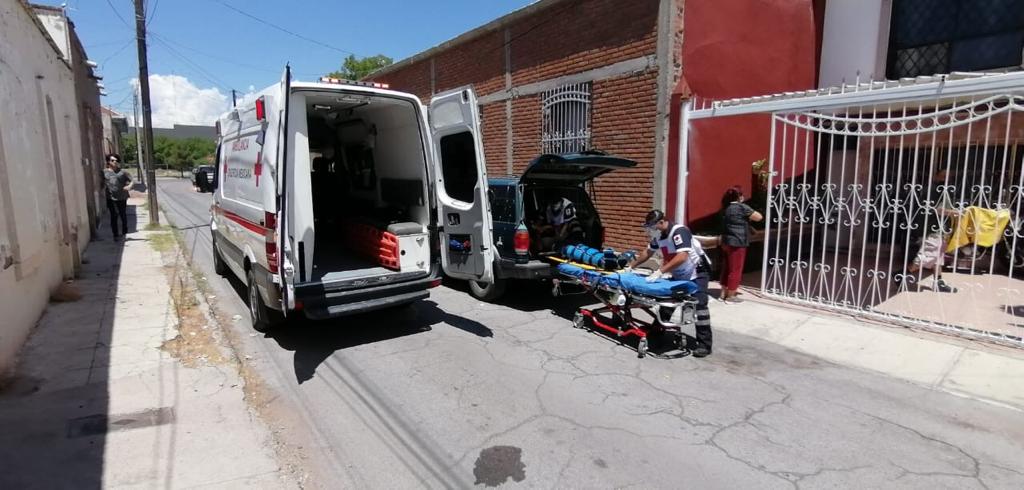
x=899, y=201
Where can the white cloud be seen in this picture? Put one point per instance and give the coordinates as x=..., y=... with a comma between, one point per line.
x=176, y=100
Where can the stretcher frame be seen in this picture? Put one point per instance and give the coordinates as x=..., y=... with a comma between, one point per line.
x=621, y=304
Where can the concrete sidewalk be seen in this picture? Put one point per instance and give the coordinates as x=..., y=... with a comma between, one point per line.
x=129, y=386
x=975, y=369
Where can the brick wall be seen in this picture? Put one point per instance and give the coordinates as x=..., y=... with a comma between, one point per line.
x=623, y=123
x=565, y=38
x=479, y=62
x=580, y=36
x=414, y=78
x=492, y=129
x=526, y=131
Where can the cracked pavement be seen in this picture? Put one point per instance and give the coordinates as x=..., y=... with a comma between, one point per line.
x=413, y=397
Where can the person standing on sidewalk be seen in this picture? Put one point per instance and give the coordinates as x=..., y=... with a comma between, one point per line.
x=683, y=259
x=117, y=183
x=736, y=218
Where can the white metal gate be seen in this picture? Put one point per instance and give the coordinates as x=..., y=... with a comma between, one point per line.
x=873, y=187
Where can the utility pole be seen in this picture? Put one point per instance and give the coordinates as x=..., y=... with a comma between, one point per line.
x=147, y=113
x=138, y=136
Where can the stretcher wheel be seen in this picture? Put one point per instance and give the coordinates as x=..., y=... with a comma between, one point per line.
x=641, y=347
x=578, y=320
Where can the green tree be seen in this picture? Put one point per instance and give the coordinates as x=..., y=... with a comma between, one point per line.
x=165, y=151
x=182, y=154
x=355, y=69
x=129, y=150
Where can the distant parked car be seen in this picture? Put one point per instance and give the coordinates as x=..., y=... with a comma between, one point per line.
x=518, y=203
x=203, y=178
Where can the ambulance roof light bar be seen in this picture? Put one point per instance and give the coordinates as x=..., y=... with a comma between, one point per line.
x=342, y=81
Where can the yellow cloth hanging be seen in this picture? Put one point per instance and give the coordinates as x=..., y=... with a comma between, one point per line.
x=981, y=226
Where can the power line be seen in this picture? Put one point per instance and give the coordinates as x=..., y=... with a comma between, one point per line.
x=152, y=13
x=218, y=58
x=122, y=101
x=282, y=29
x=115, y=53
x=107, y=43
x=223, y=59
x=118, y=14
x=203, y=73
x=547, y=18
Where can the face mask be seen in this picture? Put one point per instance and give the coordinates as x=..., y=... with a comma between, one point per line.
x=653, y=233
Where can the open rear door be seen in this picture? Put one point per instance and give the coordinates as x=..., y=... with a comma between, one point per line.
x=284, y=248
x=464, y=215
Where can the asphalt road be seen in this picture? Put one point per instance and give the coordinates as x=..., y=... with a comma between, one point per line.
x=457, y=393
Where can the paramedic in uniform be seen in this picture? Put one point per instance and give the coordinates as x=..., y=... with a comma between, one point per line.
x=682, y=260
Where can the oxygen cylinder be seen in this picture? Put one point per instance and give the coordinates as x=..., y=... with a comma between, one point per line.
x=567, y=251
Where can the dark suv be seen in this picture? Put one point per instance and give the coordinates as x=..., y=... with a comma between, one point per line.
x=203, y=178
x=519, y=203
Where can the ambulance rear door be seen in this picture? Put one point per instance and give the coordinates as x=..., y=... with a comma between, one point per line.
x=460, y=178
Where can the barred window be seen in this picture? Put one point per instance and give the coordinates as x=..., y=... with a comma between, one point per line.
x=927, y=37
x=566, y=123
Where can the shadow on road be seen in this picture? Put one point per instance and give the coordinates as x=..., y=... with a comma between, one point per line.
x=533, y=296
x=315, y=341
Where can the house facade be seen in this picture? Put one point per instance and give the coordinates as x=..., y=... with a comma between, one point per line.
x=568, y=75
x=49, y=161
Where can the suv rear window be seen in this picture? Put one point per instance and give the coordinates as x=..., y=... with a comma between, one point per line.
x=503, y=203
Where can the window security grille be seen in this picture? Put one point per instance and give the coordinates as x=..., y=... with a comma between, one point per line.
x=566, y=119
x=928, y=37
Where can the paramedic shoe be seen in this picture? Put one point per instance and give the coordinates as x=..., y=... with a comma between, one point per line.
x=942, y=287
x=701, y=351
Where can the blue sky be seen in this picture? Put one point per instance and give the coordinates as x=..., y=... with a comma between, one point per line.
x=201, y=49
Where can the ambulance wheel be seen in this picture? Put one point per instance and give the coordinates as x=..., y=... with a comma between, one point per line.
x=487, y=292
x=641, y=347
x=219, y=266
x=263, y=318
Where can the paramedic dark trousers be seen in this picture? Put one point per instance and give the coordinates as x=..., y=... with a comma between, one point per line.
x=703, y=327
x=118, y=209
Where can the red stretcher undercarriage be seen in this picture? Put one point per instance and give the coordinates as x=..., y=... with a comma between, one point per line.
x=617, y=317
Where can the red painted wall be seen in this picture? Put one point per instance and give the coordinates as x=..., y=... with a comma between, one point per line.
x=738, y=48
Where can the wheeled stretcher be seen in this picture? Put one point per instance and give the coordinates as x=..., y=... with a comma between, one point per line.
x=671, y=304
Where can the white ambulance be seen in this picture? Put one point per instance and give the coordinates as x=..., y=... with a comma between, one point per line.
x=339, y=197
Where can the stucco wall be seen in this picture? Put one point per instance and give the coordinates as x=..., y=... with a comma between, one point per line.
x=740, y=48
x=39, y=241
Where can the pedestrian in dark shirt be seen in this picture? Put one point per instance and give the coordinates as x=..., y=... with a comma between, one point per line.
x=117, y=182
x=736, y=218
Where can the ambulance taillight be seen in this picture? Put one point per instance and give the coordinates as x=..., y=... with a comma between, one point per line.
x=261, y=112
x=270, y=241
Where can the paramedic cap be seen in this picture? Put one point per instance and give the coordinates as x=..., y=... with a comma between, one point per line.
x=653, y=217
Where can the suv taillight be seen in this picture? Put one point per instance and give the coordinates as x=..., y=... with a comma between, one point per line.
x=521, y=243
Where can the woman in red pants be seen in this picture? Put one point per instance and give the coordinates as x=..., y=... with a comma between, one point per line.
x=736, y=218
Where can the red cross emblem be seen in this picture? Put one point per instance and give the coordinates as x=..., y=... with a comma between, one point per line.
x=258, y=168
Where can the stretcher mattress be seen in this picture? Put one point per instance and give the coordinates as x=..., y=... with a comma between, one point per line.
x=630, y=282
